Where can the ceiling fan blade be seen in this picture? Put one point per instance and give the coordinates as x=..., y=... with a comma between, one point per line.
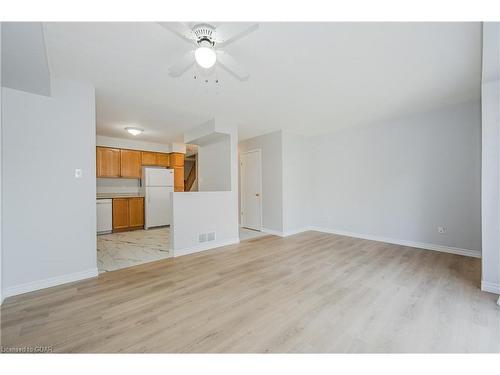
x=182, y=65
x=229, y=32
x=229, y=63
x=180, y=29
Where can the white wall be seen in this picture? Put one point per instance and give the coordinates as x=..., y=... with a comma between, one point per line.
x=118, y=185
x=272, y=177
x=203, y=212
x=49, y=216
x=25, y=66
x=200, y=212
x=491, y=186
x=491, y=158
x=401, y=179
x=133, y=144
x=296, y=183
x=214, y=164
x=1, y=167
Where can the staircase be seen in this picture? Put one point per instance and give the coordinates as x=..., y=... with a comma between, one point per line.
x=191, y=177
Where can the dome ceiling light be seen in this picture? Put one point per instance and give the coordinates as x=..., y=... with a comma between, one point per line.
x=134, y=131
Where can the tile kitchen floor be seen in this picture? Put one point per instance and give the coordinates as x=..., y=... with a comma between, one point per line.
x=126, y=249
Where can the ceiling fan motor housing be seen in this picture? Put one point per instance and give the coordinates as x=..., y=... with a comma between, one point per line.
x=204, y=34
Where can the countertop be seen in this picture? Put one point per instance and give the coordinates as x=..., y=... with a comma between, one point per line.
x=119, y=195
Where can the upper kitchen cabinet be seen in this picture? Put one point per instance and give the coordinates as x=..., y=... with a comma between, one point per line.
x=117, y=162
x=162, y=160
x=176, y=159
x=107, y=162
x=148, y=158
x=158, y=159
x=130, y=164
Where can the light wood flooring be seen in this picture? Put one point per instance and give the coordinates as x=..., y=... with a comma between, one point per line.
x=312, y=292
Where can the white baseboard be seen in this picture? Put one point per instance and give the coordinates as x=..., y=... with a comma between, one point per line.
x=490, y=287
x=419, y=245
x=272, y=231
x=205, y=246
x=296, y=231
x=47, y=283
x=285, y=234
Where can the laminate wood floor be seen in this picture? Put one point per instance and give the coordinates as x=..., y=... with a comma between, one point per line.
x=312, y=292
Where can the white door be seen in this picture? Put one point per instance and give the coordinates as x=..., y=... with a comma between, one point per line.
x=251, y=190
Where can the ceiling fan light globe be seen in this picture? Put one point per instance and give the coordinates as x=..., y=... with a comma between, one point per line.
x=205, y=57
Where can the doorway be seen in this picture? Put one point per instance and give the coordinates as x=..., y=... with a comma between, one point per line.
x=251, y=189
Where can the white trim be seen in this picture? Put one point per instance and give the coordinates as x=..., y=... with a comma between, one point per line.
x=273, y=232
x=486, y=286
x=419, y=245
x=296, y=231
x=50, y=282
x=286, y=234
x=205, y=246
x=242, y=191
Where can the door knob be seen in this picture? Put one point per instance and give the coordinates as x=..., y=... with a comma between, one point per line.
x=257, y=194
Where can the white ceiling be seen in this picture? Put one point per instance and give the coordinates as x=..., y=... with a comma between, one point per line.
x=309, y=78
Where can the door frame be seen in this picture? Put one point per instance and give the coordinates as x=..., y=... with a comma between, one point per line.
x=242, y=186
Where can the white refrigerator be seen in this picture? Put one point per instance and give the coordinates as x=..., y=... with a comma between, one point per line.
x=157, y=184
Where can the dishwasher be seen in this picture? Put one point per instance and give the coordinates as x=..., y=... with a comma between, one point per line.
x=104, y=216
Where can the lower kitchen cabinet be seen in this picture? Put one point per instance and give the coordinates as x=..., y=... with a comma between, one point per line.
x=120, y=214
x=128, y=213
x=136, y=212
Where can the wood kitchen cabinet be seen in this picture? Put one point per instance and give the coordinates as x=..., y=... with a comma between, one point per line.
x=130, y=164
x=162, y=159
x=120, y=214
x=115, y=162
x=158, y=159
x=148, y=158
x=136, y=212
x=176, y=159
x=179, y=178
x=107, y=162
x=128, y=214
x=177, y=163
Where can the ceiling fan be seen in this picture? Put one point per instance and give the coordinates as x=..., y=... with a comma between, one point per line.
x=209, y=41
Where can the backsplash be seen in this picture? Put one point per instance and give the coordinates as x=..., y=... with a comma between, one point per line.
x=118, y=185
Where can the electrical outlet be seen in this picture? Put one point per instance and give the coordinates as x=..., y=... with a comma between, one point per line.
x=441, y=230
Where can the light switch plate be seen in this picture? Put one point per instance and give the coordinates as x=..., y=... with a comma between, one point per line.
x=78, y=173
